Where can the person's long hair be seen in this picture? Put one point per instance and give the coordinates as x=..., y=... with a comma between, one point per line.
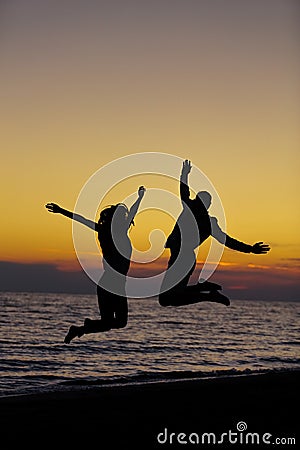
x=109, y=250
x=107, y=214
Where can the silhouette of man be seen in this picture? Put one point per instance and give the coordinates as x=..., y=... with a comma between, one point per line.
x=194, y=225
x=112, y=228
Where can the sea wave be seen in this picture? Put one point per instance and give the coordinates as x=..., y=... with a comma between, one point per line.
x=52, y=383
x=148, y=377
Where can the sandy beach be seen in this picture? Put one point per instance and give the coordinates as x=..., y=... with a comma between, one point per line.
x=153, y=415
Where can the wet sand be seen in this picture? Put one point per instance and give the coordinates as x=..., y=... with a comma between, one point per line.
x=144, y=416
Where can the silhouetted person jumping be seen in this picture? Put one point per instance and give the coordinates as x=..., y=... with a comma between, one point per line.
x=112, y=229
x=193, y=227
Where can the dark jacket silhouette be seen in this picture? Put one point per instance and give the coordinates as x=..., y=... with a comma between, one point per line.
x=193, y=226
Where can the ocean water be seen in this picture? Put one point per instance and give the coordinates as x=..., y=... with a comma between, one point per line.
x=158, y=343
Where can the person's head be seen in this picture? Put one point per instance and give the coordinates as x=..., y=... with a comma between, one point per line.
x=204, y=197
x=121, y=212
x=118, y=212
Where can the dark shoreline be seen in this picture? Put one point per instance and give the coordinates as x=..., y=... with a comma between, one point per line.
x=132, y=416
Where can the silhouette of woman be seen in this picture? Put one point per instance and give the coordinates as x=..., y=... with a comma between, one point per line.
x=112, y=229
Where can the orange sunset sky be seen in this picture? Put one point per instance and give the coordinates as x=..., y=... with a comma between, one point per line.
x=217, y=82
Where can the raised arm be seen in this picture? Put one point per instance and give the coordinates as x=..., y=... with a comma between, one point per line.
x=56, y=209
x=259, y=248
x=184, y=187
x=134, y=208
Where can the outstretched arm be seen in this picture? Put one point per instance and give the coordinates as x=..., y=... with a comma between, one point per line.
x=133, y=210
x=259, y=248
x=184, y=187
x=56, y=209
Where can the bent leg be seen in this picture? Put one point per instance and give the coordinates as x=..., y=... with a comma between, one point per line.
x=106, y=310
x=113, y=310
x=189, y=296
x=180, y=294
x=181, y=265
x=114, y=314
x=95, y=326
x=121, y=312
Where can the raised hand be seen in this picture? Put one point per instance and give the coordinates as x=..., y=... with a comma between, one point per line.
x=141, y=191
x=186, y=166
x=53, y=207
x=260, y=248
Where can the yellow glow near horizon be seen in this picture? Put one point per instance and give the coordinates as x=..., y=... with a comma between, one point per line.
x=201, y=87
